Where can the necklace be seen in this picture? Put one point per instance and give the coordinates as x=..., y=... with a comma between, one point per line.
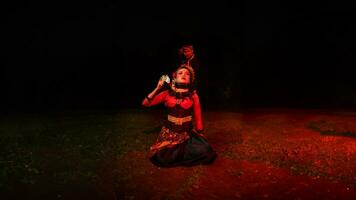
x=182, y=85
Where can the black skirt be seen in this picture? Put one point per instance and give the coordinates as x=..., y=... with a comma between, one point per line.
x=194, y=151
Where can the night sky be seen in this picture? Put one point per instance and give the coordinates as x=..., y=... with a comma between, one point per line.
x=65, y=55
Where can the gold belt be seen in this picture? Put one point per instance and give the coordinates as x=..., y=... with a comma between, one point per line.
x=179, y=120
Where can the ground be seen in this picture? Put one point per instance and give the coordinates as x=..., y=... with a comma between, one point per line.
x=262, y=154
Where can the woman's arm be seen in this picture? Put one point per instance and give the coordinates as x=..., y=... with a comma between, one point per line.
x=197, y=113
x=154, y=99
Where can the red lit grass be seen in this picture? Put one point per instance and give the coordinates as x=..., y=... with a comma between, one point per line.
x=263, y=154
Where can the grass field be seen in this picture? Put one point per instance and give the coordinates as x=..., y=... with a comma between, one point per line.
x=269, y=154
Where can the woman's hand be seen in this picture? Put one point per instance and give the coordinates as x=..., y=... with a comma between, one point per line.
x=160, y=83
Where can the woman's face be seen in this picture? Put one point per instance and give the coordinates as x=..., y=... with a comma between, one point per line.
x=183, y=76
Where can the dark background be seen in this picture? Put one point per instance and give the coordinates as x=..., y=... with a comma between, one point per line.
x=82, y=55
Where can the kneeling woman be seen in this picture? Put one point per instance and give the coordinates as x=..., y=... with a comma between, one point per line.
x=178, y=143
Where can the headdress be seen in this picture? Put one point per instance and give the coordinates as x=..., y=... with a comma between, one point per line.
x=186, y=46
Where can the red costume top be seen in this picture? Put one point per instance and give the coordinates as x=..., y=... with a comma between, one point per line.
x=179, y=121
x=180, y=105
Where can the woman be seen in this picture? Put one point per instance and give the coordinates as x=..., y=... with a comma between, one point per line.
x=178, y=143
